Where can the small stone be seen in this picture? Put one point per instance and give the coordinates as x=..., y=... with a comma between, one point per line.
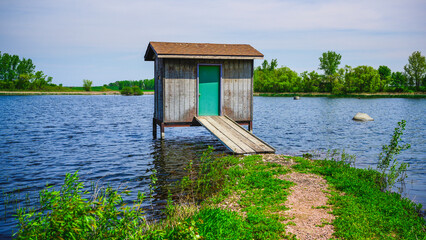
x=362, y=117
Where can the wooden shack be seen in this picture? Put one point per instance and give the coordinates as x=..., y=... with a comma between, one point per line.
x=201, y=79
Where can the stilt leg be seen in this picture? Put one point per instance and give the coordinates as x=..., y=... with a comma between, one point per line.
x=154, y=129
x=162, y=130
x=250, y=126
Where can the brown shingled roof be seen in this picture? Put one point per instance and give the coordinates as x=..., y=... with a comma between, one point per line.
x=200, y=50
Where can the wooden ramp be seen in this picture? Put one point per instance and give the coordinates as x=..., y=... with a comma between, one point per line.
x=233, y=136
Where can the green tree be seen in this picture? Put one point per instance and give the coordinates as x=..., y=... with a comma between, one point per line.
x=148, y=84
x=329, y=62
x=264, y=77
x=20, y=74
x=385, y=77
x=310, y=81
x=287, y=80
x=87, y=84
x=416, y=69
x=39, y=81
x=398, y=81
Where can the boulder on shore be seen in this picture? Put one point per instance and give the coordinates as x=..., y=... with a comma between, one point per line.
x=362, y=117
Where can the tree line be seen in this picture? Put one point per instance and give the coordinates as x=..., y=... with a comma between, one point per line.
x=20, y=74
x=146, y=84
x=269, y=78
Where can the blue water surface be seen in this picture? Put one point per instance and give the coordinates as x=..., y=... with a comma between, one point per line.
x=108, y=139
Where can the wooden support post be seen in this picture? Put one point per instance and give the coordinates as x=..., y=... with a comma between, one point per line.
x=162, y=130
x=154, y=128
x=250, y=126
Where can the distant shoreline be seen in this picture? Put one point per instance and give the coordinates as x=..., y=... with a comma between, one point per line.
x=287, y=94
x=351, y=95
x=24, y=93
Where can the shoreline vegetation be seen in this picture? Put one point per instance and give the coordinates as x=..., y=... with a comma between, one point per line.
x=18, y=77
x=230, y=197
x=347, y=95
x=24, y=93
x=286, y=94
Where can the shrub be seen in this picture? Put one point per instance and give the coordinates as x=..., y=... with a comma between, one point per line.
x=127, y=91
x=87, y=84
x=137, y=90
x=390, y=170
x=65, y=214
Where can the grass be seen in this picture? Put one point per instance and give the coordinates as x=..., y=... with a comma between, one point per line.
x=363, y=211
x=94, y=89
x=99, y=89
x=261, y=197
x=257, y=201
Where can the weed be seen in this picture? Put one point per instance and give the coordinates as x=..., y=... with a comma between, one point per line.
x=152, y=186
x=65, y=214
x=391, y=171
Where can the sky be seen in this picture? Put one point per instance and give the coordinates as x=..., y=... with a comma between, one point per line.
x=105, y=40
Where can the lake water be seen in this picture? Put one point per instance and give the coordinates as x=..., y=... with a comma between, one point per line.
x=109, y=139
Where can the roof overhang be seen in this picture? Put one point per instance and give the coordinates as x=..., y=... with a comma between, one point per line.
x=207, y=57
x=151, y=54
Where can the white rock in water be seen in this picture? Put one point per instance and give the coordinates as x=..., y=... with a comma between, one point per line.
x=362, y=117
x=296, y=98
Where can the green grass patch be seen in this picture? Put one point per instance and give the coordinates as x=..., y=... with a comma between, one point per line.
x=258, y=197
x=261, y=197
x=363, y=211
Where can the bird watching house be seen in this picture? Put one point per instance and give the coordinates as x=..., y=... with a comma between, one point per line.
x=203, y=84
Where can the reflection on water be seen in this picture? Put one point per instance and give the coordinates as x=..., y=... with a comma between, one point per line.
x=108, y=140
x=171, y=157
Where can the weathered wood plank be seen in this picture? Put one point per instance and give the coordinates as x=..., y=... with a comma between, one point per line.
x=260, y=145
x=244, y=136
x=180, y=85
x=230, y=133
x=193, y=90
x=241, y=86
x=226, y=88
x=167, y=89
x=223, y=138
x=247, y=91
x=234, y=98
x=251, y=88
x=186, y=90
x=161, y=88
x=236, y=136
x=156, y=92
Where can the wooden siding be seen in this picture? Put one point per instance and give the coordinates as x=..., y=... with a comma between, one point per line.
x=178, y=101
x=158, y=89
x=180, y=90
x=238, y=90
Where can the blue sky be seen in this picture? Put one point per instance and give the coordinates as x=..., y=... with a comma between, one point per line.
x=105, y=40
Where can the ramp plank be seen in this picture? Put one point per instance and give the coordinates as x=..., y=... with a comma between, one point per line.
x=223, y=138
x=249, y=136
x=233, y=136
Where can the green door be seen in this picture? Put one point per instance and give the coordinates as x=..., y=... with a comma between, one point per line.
x=208, y=90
